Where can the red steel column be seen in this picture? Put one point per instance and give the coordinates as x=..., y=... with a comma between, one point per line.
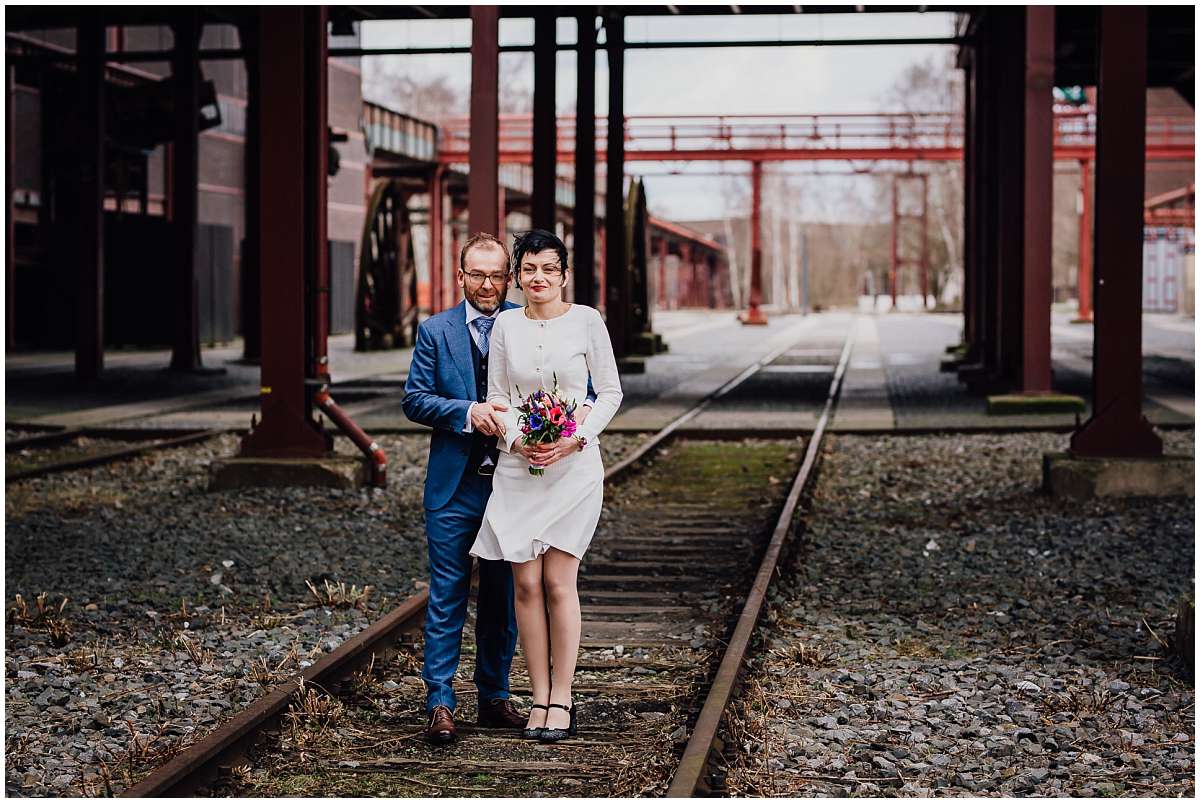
x=1085, y=243
x=316, y=163
x=893, y=269
x=585, y=161
x=970, y=201
x=1039, y=190
x=754, y=315
x=545, y=120
x=89, y=305
x=1117, y=427
x=287, y=428
x=483, y=183
x=663, y=247
x=437, y=244
x=10, y=152
x=251, y=278
x=616, y=260
x=185, y=179
x=924, y=240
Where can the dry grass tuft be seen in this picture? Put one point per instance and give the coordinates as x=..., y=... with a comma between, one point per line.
x=337, y=595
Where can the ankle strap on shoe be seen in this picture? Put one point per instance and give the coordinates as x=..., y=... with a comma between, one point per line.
x=563, y=707
x=539, y=705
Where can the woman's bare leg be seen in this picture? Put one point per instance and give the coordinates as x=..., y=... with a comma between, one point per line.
x=530, y=605
x=560, y=573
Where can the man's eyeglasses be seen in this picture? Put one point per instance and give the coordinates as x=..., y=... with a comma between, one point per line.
x=475, y=277
x=549, y=271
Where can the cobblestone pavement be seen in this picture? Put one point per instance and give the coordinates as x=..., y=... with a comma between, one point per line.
x=142, y=609
x=944, y=628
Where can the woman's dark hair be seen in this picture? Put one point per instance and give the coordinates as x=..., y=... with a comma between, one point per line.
x=535, y=241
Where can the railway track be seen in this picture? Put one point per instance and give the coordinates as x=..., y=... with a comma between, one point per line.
x=69, y=450
x=671, y=591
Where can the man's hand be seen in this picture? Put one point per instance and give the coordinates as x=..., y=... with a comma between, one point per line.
x=485, y=418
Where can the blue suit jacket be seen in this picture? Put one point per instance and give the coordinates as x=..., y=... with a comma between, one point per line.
x=438, y=393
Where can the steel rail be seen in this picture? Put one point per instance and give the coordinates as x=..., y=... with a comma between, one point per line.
x=689, y=778
x=198, y=765
x=109, y=457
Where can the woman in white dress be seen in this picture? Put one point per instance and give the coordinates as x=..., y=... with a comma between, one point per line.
x=543, y=524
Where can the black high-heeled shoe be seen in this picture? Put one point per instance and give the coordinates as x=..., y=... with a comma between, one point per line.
x=535, y=733
x=558, y=734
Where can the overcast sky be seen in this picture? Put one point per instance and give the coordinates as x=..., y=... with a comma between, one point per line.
x=753, y=80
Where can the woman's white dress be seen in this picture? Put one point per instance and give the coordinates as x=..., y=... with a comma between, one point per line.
x=526, y=515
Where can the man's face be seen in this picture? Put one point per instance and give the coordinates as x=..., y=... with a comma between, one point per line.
x=485, y=280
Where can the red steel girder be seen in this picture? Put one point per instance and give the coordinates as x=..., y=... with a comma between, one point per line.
x=1117, y=427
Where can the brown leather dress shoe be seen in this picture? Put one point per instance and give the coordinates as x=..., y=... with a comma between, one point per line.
x=441, y=725
x=500, y=714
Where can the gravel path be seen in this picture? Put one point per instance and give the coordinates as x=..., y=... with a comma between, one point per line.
x=946, y=629
x=181, y=605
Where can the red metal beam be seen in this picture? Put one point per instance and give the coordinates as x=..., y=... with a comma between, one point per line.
x=285, y=43
x=754, y=314
x=616, y=260
x=89, y=312
x=1117, y=427
x=545, y=121
x=1085, y=242
x=437, y=243
x=584, y=221
x=483, y=183
x=185, y=178
x=1038, y=190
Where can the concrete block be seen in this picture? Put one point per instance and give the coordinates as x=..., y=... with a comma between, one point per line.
x=260, y=472
x=1039, y=403
x=631, y=365
x=648, y=344
x=1090, y=477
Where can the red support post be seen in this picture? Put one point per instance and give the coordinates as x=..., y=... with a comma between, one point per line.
x=895, y=261
x=545, y=120
x=1038, y=190
x=316, y=162
x=483, y=183
x=185, y=178
x=437, y=243
x=616, y=260
x=924, y=241
x=1085, y=243
x=89, y=321
x=663, y=247
x=584, y=225
x=287, y=428
x=1117, y=427
x=754, y=315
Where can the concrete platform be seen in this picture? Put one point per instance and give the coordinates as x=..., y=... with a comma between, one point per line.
x=892, y=383
x=346, y=473
x=1091, y=477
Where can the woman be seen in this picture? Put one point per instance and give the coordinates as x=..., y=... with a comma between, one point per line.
x=543, y=524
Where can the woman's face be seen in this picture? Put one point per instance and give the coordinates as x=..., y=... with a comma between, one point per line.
x=542, y=276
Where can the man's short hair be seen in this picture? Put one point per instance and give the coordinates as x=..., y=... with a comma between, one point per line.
x=482, y=240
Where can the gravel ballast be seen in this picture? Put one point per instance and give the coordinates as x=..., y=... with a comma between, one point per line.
x=184, y=605
x=942, y=627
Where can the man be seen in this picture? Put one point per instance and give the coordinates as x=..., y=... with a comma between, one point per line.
x=447, y=390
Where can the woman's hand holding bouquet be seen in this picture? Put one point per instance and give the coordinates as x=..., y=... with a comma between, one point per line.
x=547, y=428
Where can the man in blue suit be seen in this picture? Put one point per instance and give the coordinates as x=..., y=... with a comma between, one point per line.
x=447, y=390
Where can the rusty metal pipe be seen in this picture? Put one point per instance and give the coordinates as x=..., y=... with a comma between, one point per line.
x=371, y=449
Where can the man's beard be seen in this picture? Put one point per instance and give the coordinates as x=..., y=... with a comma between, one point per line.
x=486, y=306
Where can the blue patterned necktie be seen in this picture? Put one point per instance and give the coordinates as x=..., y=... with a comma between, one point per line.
x=484, y=327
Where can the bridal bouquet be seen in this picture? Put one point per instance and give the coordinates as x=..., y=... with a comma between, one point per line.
x=544, y=417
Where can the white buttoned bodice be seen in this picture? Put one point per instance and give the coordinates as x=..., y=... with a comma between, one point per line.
x=529, y=354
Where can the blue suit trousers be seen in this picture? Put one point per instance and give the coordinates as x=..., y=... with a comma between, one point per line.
x=450, y=530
